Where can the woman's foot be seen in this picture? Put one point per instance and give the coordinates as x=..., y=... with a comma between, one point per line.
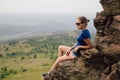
x=45, y=74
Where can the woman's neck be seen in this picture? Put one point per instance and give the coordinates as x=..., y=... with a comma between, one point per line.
x=84, y=28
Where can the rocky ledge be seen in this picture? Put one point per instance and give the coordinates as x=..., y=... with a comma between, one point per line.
x=103, y=61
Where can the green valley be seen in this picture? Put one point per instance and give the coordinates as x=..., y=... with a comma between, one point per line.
x=28, y=58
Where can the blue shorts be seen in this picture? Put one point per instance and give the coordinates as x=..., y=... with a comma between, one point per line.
x=76, y=54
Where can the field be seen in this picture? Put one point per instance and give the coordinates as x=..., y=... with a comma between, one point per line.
x=27, y=59
x=26, y=69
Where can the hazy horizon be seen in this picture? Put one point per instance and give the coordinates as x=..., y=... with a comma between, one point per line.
x=28, y=24
x=25, y=16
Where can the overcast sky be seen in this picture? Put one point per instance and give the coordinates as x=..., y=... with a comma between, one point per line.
x=50, y=6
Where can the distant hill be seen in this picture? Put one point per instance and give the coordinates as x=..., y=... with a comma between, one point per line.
x=20, y=24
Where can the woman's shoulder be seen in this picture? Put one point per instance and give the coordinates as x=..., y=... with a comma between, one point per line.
x=86, y=31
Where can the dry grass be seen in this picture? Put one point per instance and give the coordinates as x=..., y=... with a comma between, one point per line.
x=34, y=67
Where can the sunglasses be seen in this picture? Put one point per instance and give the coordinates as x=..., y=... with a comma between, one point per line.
x=78, y=24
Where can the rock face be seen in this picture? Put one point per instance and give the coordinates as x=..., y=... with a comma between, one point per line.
x=103, y=61
x=107, y=23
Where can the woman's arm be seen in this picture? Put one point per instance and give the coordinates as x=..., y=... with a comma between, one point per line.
x=73, y=46
x=68, y=51
x=88, y=46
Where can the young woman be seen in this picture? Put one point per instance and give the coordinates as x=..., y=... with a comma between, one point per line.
x=83, y=42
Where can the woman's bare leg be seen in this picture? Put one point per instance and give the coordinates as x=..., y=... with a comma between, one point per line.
x=60, y=59
x=62, y=50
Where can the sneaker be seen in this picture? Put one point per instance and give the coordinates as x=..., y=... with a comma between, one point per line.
x=44, y=74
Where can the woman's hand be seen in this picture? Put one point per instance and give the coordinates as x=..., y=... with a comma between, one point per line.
x=68, y=52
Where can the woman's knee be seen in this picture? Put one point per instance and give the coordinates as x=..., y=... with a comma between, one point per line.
x=60, y=47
